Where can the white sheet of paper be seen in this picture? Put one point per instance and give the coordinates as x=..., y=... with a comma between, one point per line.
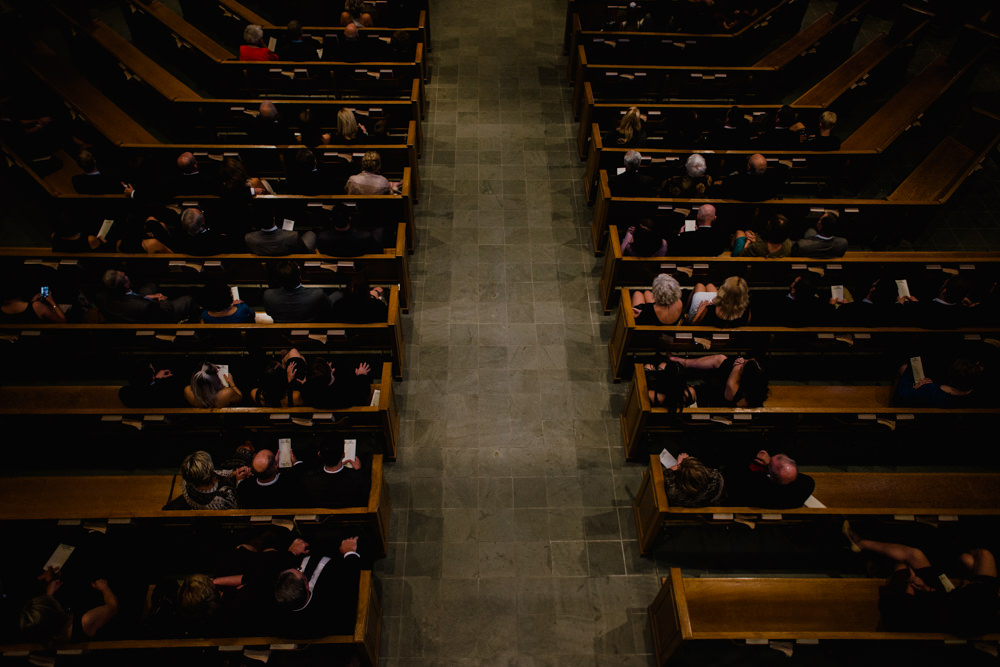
x=667, y=459
x=350, y=450
x=903, y=287
x=837, y=292
x=917, y=364
x=105, y=228
x=235, y=291
x=811, y=501
x=619, y=171
x=59, y=557
x=271, y=43
x=223, y=372
x=288, y=225
x=284, y=452
x=690, y=225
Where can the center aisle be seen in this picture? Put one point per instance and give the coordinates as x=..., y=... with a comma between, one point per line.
x=512, y=540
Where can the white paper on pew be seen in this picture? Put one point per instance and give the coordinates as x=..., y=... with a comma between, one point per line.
x=288, y=225
x=59, y=557
x=319, y=53
x=134, y=423
x=350, y=451
x=667, y=459
x=813, y=501
x=917, y=365
x=262, y=318
x=619, y=171
x=376, y=397
x=785, y=647
x=261, y=518
x=105, y=228
x=235, y=291
x=285, y=452
x=299, y=421
x=902, y=287
x=260, y=655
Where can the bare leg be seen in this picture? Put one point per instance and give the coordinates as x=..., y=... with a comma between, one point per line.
x=638, y=298
x=900, y=553
x=980, y=561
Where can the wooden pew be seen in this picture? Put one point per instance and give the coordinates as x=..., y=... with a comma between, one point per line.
x=695, y=609
x=637, y=272
x=389, y=268
x=83, y=98
x=87, y=407
x=762, y=79
x=629, y=340
x=142, y=498
x=890, y=494
x=816, y=170
x=786, y=405
x=729, y=48
x=365, y=638
x=381, y=338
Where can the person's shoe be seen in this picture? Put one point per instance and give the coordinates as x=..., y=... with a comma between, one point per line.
x=850, y=535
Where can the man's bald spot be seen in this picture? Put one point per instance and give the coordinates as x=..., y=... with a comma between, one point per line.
x=263, y=461
x=757, y=163
x=187, y=162
x=706, y=214
x=351, y=31
x=268, y=111
x=783, y=469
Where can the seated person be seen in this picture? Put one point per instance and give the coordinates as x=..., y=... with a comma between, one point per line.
x=326, y=388
x=120, y=303
x=962, y=377
x=273, y=241
x=152, y=238
x=279, y=386
x=661, y=305
x=951, y=307
x=369, y=181
x=334, y=483
x=798, y=307
x=694, y=182
x=220, y=308
x=644, y=241
x=253, y=47
x=342, y=239
x=919, y=597
x=769, y=481
x=93, y=181
x=757, y=183
x=151, y=387
x=707, y=240
x=291, y=302
x=19, y=306
x=881, y=307
x=319, y=597
x=823, y=139
x=727, y=306
x=630, y=132
x=269, y=128
x=709, y=381
x=690, y=483
x=296, y=46
x=198, y=238
x=210, y=389
x=784, y=134
x=822, y=241
x=271, y=486
x=362, y=303
x=46, y=620
x=205, y=487
x=349, y=131
x=631, y=183
x=68, y=236
x=774, y=241
x=359, y=13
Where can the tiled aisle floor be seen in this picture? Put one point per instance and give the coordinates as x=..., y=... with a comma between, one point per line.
x=511, y=522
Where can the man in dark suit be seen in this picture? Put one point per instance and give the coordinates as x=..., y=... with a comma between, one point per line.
x=769, y=481
x=757, y=183
x=333, y=483
x=93, y=181
x=822, y=241
x=705, y=241
x=320, y=596
x=198, y=238
x=120, y=303
x=291, y=302
x=192, y=179
x=631, y=183
x=273, y=241
x=271, y=486
x=296, y=46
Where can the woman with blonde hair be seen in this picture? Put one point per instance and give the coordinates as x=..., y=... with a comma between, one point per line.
x=691, y=483
x=630, y=132
x=348, y=129
x=209, y=388
x=727, y=306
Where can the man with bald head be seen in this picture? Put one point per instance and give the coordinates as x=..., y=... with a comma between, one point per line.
x=769, y=481
x=268, y=128
x=271, y=486
x=706, y=240
x=757, y=183
x=192, y=179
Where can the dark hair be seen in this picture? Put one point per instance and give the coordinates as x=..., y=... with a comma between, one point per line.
x=955, y=289
x=216, y=296
x=332, y=452
x=753, y=384
x=288, y=274
x=671, y=382
x=273, y=386
x=784, y=117
x=290, y=590
x=776, y=230
x=831, y=223
x=645, y=241
x=964, y=374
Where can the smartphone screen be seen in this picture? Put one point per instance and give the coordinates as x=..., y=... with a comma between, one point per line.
x=45, y=291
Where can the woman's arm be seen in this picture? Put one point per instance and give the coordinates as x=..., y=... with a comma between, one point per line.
x=47, y=310
x=701, y=363
x=733, y=381
x=96, y=618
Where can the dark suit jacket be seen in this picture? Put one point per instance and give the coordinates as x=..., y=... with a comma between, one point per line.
x=286, y=491
x=303, y=304
x=632, y=184
x=702, y=242
x=345, y=488
x=97, y=184
x=753, y=489
x=274, y=244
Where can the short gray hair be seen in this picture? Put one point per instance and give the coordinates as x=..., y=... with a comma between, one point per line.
x=193, y=221
x=696, y=166
x=632, y=160
x=666, y=290
x=198, y=468
x=253, y=34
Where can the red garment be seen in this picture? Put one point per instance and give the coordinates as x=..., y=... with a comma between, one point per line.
x=248, y=52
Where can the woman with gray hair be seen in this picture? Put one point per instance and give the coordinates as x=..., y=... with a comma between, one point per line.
x=694, y=182
x=210, y=388
x=660, y=305
x=206, y=488
x=254, y=49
